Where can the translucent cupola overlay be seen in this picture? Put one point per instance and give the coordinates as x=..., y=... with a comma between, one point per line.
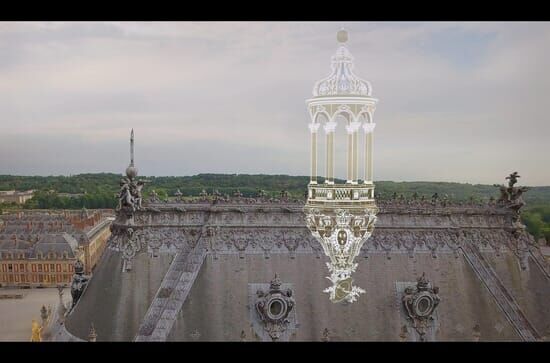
x=341, y=216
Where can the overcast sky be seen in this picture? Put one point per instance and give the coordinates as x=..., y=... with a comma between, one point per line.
x=465, y=102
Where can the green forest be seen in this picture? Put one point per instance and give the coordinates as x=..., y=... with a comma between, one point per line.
x=99, y=191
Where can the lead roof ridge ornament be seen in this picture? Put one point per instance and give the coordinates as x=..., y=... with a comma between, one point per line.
x=131, y=170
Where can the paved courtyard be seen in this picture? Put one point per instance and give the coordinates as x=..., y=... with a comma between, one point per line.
x=16, y=315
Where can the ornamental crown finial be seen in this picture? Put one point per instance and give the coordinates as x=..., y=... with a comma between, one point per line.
x=342, y=36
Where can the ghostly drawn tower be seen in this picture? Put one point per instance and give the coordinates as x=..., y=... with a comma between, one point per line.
x=342, y=216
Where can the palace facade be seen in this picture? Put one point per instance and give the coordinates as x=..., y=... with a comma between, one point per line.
x=13, y=196
x=39, y=248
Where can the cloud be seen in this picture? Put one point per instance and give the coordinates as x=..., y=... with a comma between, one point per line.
x=458, y=101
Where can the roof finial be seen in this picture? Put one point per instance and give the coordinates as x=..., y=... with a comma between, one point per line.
x=342, y=35
x=132, y=148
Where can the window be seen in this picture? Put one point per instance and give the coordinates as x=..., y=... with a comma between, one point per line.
x=10, y=268
x=16, y=278
x=64, y=267
x=59, y=278
x=23, y=278
x=52, y=267
x=70, y=268
x=34, y=279
x=33, y=268
x=58, y=267
x=22, y=267
x=40, y=278
x=40, y=268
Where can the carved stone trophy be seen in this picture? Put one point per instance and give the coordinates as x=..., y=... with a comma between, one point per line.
x=130, y=201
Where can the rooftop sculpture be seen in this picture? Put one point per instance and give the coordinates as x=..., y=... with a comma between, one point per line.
x=129, y=197
x=511, y=196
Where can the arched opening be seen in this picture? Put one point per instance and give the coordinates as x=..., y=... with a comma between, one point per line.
x=321, y=147
x=341, y=146
x=363, y=147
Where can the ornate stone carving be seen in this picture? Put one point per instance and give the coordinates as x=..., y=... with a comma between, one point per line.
x=129, y=196
x=341, y=236
x=420, y=303
x=274, y=308
x=79, y=283
x=511, y=196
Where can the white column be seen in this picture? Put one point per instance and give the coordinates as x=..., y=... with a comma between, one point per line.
x=350, y=154
x=329, y=128
x=369, y=129
x=313, y=127
x=355, y=160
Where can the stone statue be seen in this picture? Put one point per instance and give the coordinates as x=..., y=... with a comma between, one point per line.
x=513, y=179
x=79, y=282
x=476, y=333
x=36, y=335
x=326, y=335
x=92, y=335
x=129, y=196
x=511, y=196
x=44, y=315
x=153, y=196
